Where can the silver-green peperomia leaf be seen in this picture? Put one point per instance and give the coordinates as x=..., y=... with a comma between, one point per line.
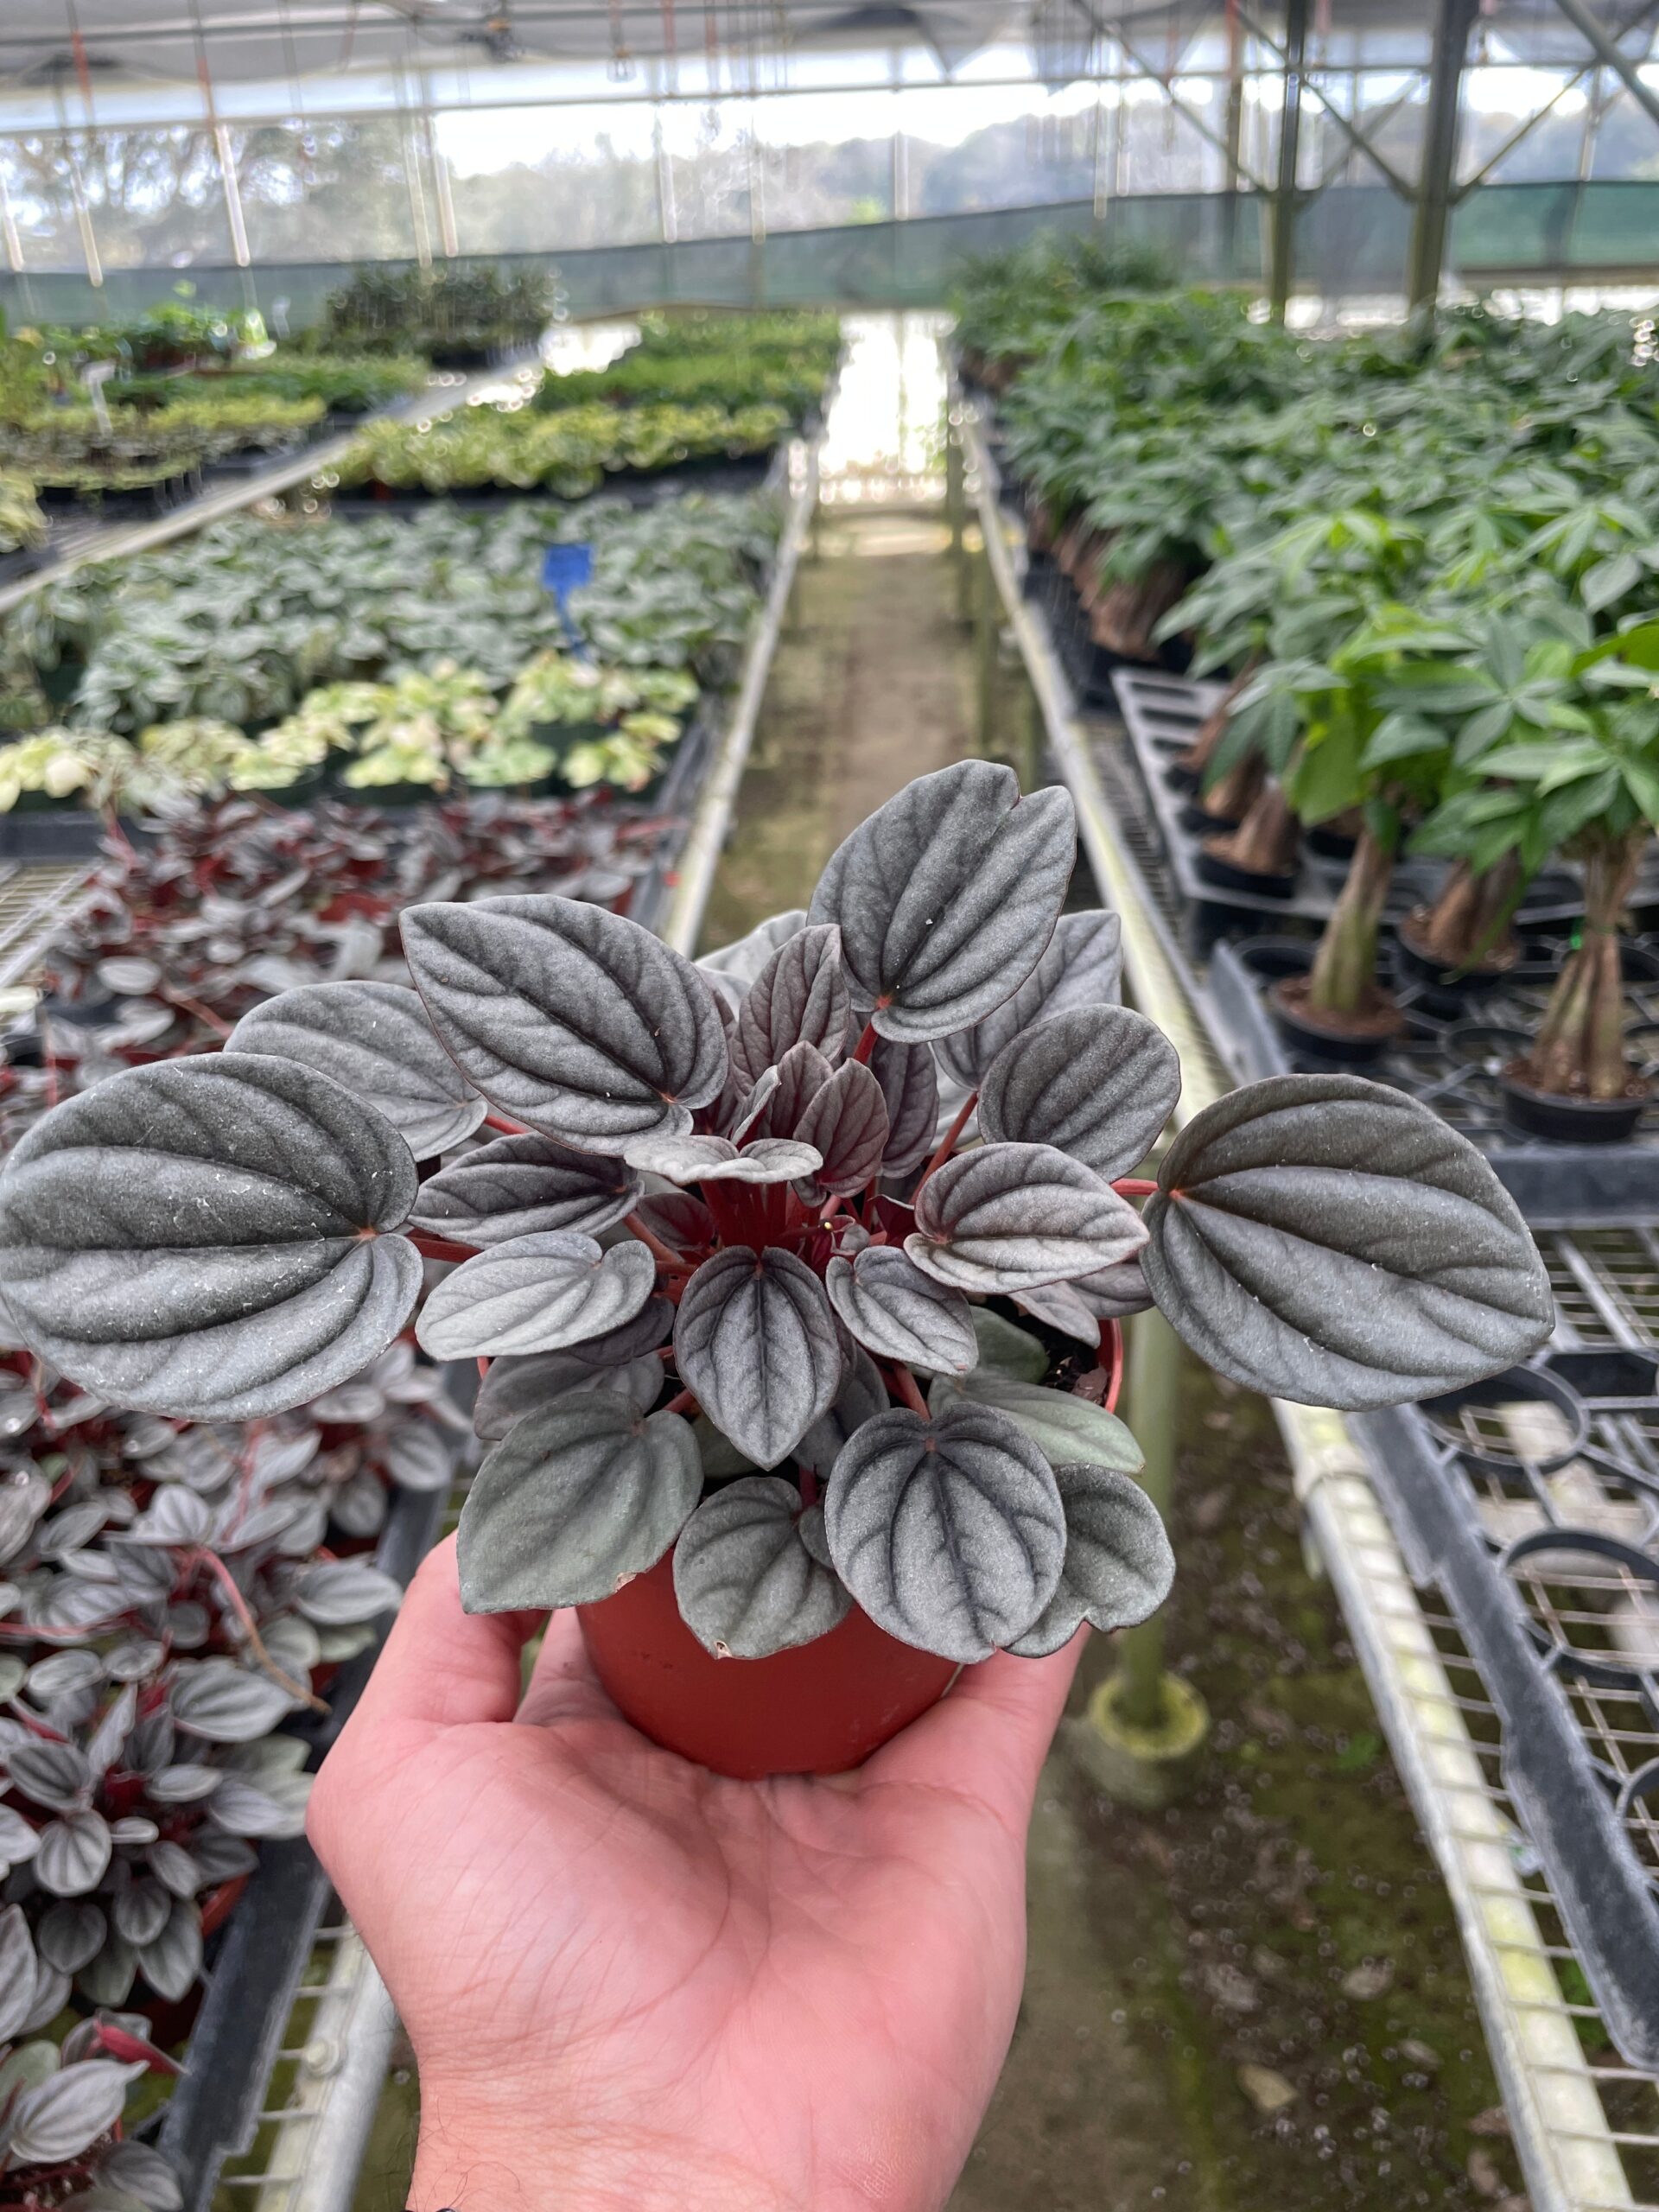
x=375, y=1039
x=1328, y=1240
x=747, y=1584
x=1082, y=966
x=1118, y=1563
x=1005, y=1217
x=1097, y=1084
x=910, y=1086
x=950, y=1531
x=735, y=966
x=56, y=2120
x=897, y=1312
x=536, y=1293
x=862, y=1395
x=717, y=1160
x=16, y=1966
x=1063, y=1425
x=517, y=1185
x=755, y=1341
x=204, y=1237
x=800, y=997
x=847, y=1122
x=513, y=1387
x=570, y=1018
x=947, y=896
x=575, y=1500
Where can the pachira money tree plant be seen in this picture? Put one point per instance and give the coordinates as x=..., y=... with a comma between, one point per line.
x=745, y=1245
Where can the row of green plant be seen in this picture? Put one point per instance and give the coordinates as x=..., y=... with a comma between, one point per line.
x=1011, y=306
x=193, y=427
x=730, y=360
x=169, y=336
x=456, y=306
x=346, y=384
x=1427, y=560
x=238, y=623
x=569, y=454
x=566, y=720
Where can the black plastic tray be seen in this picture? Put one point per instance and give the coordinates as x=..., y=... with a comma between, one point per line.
x=1451, y=1063
x=255, y=1975
x=1531, y=1502
x=1162, y=714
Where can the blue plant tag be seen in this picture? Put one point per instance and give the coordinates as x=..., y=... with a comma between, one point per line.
x=565, y=568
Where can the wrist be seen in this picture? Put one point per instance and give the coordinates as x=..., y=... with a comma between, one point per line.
x=479, y=2159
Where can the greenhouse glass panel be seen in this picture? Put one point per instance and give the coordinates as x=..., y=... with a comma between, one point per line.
x=550, y=180
x=832, y=159
x=153, y=198
x=329, y=190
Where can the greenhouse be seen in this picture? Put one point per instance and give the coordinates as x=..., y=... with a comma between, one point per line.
x=828, y=1106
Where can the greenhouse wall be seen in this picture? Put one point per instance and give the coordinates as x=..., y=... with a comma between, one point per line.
x=1350, y=239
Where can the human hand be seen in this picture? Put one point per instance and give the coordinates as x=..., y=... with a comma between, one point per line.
x=632, y=1984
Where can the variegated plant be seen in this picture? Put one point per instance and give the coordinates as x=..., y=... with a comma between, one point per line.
x=163, y=1613
x=719, y=1231
x=62, y=2105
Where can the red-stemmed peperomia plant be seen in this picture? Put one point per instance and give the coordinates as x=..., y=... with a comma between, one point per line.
x=721, y=1232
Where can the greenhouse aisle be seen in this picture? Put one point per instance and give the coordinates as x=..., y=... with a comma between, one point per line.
x=1258, y=1998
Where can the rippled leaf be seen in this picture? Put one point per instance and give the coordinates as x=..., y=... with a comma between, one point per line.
x=950, y=1531
x=847, y=1122
x=1330, y=1241
x=1007, y=1217
x=536, y=1293
x=896, y=1311
x=947, y=896
x=519, y=1186
x=717, y=1160
x=1064, y=1426
x=910, y=1086
x=375, y=1039
x=1118, y=1563
x=201, y=1237
x=570, y=1018
x=514, y=1388
x=756, y=1342
x=800, y=997
x=577, y=1499
x=862, y=1395
x=1083, y=965
x=747, y=1584
x=56, y=2121
x=1097, y=1084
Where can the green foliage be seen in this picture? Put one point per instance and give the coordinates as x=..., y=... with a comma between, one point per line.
x=569, y=453
x=448, y=307
x=21, y=523
x=1009, y=305
x=345, y=383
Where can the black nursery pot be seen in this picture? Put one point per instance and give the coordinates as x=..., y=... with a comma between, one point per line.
x=1342, y=1045
x=1536, y=1113
x=1331, y=845
x=1227, y=875
x=1447, y=988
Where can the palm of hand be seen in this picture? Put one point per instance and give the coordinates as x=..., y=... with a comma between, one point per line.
x=675, y=1987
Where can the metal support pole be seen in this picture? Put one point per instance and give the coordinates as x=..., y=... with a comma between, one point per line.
x=1612, y=56
x=1235, y=137
x=1440, y=134
x=1154, y=1385
x=449, y=238
x=9, y=230
x=1282, y=246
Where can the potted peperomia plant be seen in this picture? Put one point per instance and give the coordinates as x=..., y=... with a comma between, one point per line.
x=761, y=1402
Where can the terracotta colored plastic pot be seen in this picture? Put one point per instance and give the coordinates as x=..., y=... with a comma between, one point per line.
x=819, y=1709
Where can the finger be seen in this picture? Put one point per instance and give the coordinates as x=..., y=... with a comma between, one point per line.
x=563, y=1683
x=441, y=1666
x=991, y=1733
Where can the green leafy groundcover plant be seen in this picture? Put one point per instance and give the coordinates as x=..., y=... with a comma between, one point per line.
x=733, y=360
x=21, y=523
x=241, y=621
x=446, y=308
x=723, y=1232
x=569, y=453
x=346, y=384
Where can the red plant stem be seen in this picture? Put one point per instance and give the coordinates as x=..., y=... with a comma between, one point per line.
x=202, y=1013
x=226, y=1581
x=831, y=1210
x=948, y=1142
x=654, y=1244
x=909, y=1389
x=1111, y=1353
x=1133, y=1187
x=507, y=1129
x=865, y=1044
x=442, y=1248
x=809, y=1487
x=682, y=1401
x=483, y=1367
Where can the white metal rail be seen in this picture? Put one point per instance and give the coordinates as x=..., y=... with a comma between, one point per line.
x=1575, y=2138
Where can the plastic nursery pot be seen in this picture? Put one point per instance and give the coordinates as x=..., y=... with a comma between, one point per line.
x=373, y=795
x=1568, y=1119
x=1227, y=875
x=1352, y=1040
x=1451, y=988
x=306, y=790
x=819, y=1709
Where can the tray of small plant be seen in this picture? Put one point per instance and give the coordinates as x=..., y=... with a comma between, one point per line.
x=1531, y=1501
